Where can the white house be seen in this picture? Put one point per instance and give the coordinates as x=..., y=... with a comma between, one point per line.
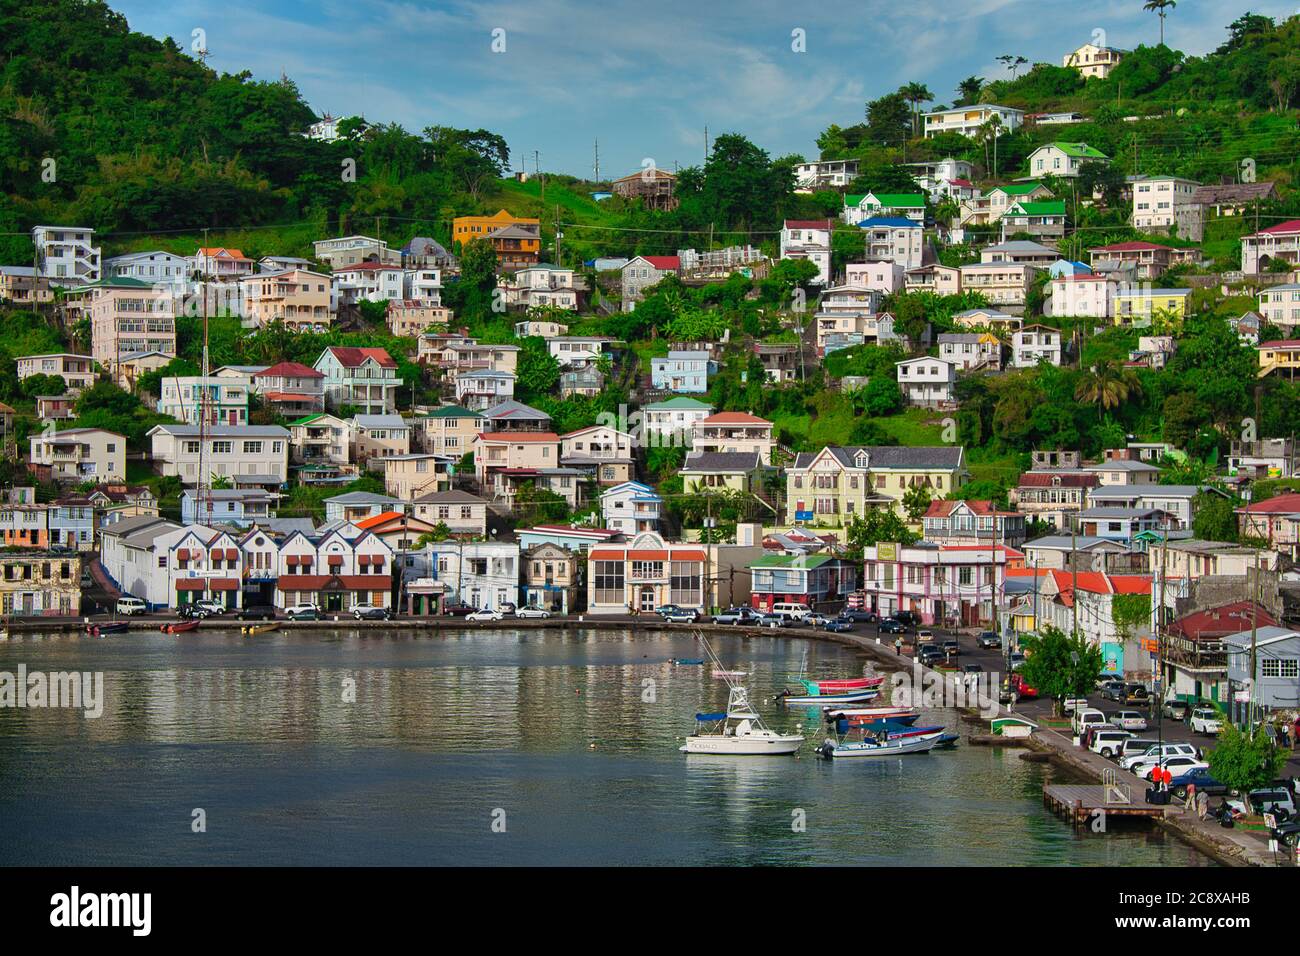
x=971, y=350
x=809, y=239
x=927, y=380
x=1035, y=343
x=880, y=275
x=371, y=281
x=893, y=239
x=630, y=507
x=1063, y=159
x=577, y=349
x=65, y=255
x=156, y=268
x=246, y=454
x=967, y=120
x=1164, y=204
x=641, y=272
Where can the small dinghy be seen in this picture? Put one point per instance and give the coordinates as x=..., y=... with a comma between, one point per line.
x=879, y=745
x=729, y=675
x=688, y=661
x=251, y=629
x=179, y=627
x=108, y=627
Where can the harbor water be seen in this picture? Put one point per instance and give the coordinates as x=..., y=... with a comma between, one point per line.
x=481, y=747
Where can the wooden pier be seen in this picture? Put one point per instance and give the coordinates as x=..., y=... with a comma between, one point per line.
x=1083, y=805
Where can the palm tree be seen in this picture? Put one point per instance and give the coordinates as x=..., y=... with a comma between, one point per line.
x=916, y=94
x=1013, y=62
x=1161, y=8
x=969, y=89
x=1107, y=384
x=989, y=131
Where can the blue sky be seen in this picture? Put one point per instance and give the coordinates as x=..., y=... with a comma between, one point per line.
x=647, y=77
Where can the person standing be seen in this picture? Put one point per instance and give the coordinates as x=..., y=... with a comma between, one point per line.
x=1202, y=804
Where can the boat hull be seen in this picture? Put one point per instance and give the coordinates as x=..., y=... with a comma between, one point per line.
x=860, y=750
x=759, y=745
x=853, y=697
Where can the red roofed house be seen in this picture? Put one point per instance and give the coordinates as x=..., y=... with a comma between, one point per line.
x=1087, y=600
x=641, y=272
x=1275, y=520
x=734, y=432
x=1053, y=494
x=503, y=461
x=365, y=378
x=1196, y=659
x=1148, y=258
x=291, y=388
x=1259, y=250
x=972, y=522
x=647, y=572
x=218, y=263
x=397, y=530
x=809, y=239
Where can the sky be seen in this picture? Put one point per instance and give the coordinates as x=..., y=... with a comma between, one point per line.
x=646, y=79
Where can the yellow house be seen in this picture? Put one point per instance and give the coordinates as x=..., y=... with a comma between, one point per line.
x=723, y=470
x=1282, y=356
x=520, y=244
x=829, y=487
x=1139, y=303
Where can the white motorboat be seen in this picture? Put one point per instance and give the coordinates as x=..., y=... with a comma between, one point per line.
x=738, y=732
x=880, y=746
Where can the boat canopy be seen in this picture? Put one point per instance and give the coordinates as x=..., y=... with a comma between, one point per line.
x=710, y=717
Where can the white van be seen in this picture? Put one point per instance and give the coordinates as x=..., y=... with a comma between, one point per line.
x=1109, y=743
x=1088, y=717
x=791, y=610
x=129, y=606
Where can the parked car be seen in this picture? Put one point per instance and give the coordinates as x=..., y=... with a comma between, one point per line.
x=860, y=614
x=1176, y=709
x=972, y=669
x=1135, y=746
x=1287, y=833
x=988, y=639
x=838, y=624
x=737, y=615
x=774, y=620
x=891, y=626
x=1016, y=661
x=929, y=654
x=1137, y=694
x=1017, y=685
x=256, y=612
x=302, y=612
x=794, y=610
x=924, y=636
x=211, y=607
x=1206, y=720
x=682, y=615
x=485, y=614
x=1113, y=690
x=189, y=612
x=911, y=618
x=457, y=609
x=532, y=610
x=1152, y=755
x=372, y=612
x=1175, y=766
x=951, y=648
x=1200, y=778
x=1088, y=717
x=1129, y=720
x=129, y=606
x=1275, y=800
x=1108, y=742
x=664, y=610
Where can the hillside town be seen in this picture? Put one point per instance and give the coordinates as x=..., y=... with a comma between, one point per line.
x=450, y=446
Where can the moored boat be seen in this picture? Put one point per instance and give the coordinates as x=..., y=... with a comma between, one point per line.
x=250, y=629
x=688, y=660
x=178, y=627
x=728, y=675
x=738, y=732
x=851, y=697
x=106, y=628
x=879, y=746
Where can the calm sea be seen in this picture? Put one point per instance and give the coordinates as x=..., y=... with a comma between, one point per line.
x=492, y=747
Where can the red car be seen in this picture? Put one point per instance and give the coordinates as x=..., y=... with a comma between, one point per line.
x=457, y=610
x=1015, y=684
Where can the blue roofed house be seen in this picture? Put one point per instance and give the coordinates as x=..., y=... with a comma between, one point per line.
x=894, y=239
x=682, y=372
x=630, y=507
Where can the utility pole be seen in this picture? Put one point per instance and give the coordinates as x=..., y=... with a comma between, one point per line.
x=1159, y=682
x=596, y=166
x=1074, y=580
x=706, y=142
x=1254, y=645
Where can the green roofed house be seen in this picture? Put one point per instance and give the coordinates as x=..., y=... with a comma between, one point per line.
x=448, y=430
x=320, y=440
x=873, y=205
x=1043, y=220
x=670, y=423
x=990, y=207
x=810, y=579
x=1063, y=159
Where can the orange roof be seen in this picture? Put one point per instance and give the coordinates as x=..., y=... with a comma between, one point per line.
x=1097, y=582
x=378, y=519
x=219, y=251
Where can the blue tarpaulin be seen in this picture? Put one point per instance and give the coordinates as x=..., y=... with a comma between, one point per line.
x=703, y=717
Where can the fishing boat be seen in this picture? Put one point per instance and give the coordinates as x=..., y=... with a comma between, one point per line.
x=179, y=627
x=856, y=697
x=894, y=722
x=738, y=732
x=251, y=629
x=729, y=675
x=880, y=745
x=688, y=660
x=868, y=713
x=839, y=685
x=108, y=627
